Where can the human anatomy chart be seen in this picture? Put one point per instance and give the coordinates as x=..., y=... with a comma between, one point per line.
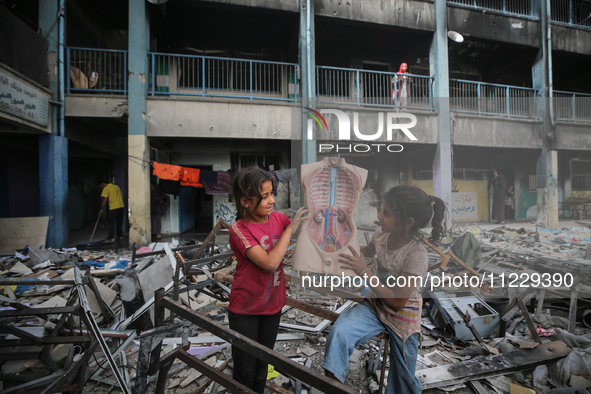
x=331, y=191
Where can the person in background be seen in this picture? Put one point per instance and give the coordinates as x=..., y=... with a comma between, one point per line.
x=401, y=86
x=159, y=204
x=259, y=239
x=112, y=194
x=509, y=203
x=400, y=254
x=499, y=184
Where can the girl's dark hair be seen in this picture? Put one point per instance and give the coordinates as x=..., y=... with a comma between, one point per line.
x=248, y=183
x=411, y=202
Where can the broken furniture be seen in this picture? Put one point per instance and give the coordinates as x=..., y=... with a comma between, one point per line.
x=489, y=366
x=576, y=205
x=279, y=361
x=448, y=310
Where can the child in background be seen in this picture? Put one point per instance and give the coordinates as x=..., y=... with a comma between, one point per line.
x=259, y=240
x=406, y=209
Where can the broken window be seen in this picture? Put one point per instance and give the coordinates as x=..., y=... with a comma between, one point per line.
x=580, y=174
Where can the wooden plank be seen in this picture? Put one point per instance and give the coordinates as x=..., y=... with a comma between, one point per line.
x=497, y=365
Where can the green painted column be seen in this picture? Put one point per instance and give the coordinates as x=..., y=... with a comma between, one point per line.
x=308, y=76
x=547, y=164
x=439, y=67
x=53, y=148
x=138, y=146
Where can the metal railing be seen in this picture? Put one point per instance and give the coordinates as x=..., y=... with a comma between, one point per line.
x=96, y=71
x=491, y=99
x=367, y=88
x=575, y=107
x=513, y=7
x=572, y=12
x=222, y=77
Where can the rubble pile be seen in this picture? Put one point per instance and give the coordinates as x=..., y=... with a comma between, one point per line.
x=155, y=319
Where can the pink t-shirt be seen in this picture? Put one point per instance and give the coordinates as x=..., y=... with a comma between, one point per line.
x=255, y=291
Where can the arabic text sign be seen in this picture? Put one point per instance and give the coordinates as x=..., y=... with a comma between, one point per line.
x=464, y=206
x=21, y=99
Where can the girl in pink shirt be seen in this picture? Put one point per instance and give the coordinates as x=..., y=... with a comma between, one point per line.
x=259, y=239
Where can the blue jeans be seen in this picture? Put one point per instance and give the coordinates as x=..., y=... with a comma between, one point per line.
x=357, y=325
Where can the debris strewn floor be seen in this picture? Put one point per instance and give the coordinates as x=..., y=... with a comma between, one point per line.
x=91, y=319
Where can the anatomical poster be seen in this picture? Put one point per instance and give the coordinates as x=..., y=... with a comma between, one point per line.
x=331, y=192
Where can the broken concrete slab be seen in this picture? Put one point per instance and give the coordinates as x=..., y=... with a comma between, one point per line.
x=16, y=233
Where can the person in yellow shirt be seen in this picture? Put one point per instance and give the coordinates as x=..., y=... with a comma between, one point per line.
x=112, y=194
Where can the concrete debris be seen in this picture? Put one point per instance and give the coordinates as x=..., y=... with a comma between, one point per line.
x=164, y=308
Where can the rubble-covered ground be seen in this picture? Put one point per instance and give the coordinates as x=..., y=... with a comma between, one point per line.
x=517, y=259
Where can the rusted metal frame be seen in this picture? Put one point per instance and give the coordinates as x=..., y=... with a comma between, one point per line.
x=45, y=354
x=208, y=381
x=14, y=303
x=298, y=304
x=70, y=374
x=446, y=257
x=162, y=373
x=19, y=356
x=156, y=361
x=164, y=367
x=120, y=349
x=32, y=384
x=21, y=334
x=205, y=260
x=38, y=311
x=150, y=346
x=46, y=341
x=210, y=236
x=179, y=260
x=108, y=313
x=530, y=324
x=214, y=374
x=312, y=309
x=290, y=367
x=92, y=326
x=158, y=252
x=8, y=282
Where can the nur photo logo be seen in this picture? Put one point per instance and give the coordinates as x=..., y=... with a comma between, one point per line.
x=390, y=122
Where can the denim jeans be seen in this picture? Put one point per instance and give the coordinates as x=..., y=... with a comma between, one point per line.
x=357, y=325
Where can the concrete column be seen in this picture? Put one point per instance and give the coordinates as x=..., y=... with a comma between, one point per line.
x=547, y=164
x=53, y=148
x=439, y=66
x=137, y=143
x=308, y=76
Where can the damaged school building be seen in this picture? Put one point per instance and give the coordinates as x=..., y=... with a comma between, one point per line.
x=103, y=91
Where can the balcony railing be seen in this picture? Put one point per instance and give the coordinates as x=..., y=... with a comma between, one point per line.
x=491, y=99
x=510, y=7
x=575, y=107
x=222, y=77
x=572, y=12
x=366, y=88
x=96, y=71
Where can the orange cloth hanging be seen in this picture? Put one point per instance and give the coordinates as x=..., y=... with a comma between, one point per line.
x=190, y=177
x=167, y=171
